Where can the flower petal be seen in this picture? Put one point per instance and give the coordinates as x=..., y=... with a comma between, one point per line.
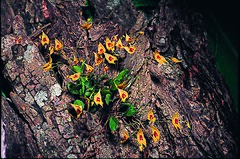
x=110, y=58
x=175, y=121
x=98, y=99
x=151, y=117
x=101, y=49
x=141, y=139
x=160, y=59
x=78, y=109
x=98, y=59
x=58, y=45
x=45, y=39
x=75, y=76
x=155, y=133
x=123, y=94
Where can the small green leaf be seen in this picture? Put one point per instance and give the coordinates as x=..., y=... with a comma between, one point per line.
x=105, y=91
x=79, y=102
x=108, y=98
x=120, y=76
x=79, y=68
x=131, y=111
x=73, y=88
x=113, y=123
x=87, y=94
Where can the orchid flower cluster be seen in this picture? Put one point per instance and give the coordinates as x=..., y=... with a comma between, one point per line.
x=94, y=91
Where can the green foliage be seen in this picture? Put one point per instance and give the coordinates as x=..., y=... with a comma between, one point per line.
x=113, y=123
x=79, y=102
x=131, y=110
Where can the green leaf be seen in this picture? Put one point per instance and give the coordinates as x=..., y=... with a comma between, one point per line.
x=131, y=111
x=105, y=91
x=73, y=88
x=120, y=76
x=126, y=104
x=79, y=102
x=87, y=94
x=113, y=123
x=108, y=98
x=79, y=68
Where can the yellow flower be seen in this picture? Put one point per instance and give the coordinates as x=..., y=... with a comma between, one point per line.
x=123, y=94
x=160, y=59
x=48, y=65
x=141, y=32
x=119, y=44
x=109, y=44
x=89, y=68
x=75, y=60
x=129, y=39
x=98, y=99
x=155, y=133
x=123, y=134
x=141, y=139
x=75, y=76
x=115, y=37
x=98, y=59
x=45, y=39
x=51, y=50
x=175, y=121
x=175, y=60
x=151, y=117
x=101, y=49
x=78, y=109
x=188, y=125
x=87, y=25
x=58, y=45
x=110, y=58
x=130, y=49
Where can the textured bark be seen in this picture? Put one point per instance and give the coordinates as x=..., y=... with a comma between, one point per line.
x=37, y=122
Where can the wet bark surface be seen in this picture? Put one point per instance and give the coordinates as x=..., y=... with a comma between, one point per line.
x=36, y=118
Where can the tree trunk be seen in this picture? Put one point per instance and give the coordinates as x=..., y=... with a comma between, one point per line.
x=35, y=115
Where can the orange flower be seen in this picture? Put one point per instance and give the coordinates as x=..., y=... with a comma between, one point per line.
x=175, y=60
x=155, y=133
x=48, y=65
x=151, y=117
x=109, y=44
x=75, y=76
x=160, y=59
x=122, y=85
x=141, y=139
x=123, y=134
x=119, y=44
x=58, y=45
x=101, y=49
x=78, y=109
x=75, y=60
x=98, y=99
x=110, y=58
x=123, y=94
x=129, y=39
x=106, y=69
x=98, y=59
x=89, y=68
x=130, y=49
x=87, y=25
x=175, y=121
x=45, y=39
x=115, y=37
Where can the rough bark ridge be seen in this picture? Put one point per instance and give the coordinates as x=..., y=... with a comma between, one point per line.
x=37, y=121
